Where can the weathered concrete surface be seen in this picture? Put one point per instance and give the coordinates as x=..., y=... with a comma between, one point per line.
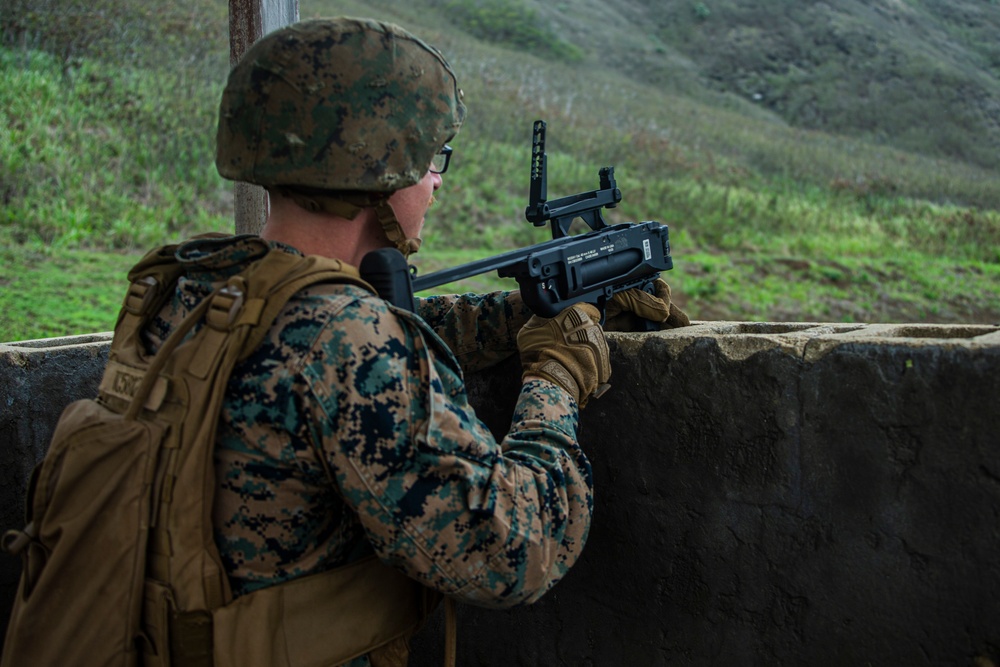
x=775, y=494
x=766, y=494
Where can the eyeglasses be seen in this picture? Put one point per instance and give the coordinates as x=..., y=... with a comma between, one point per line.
x=439, y=164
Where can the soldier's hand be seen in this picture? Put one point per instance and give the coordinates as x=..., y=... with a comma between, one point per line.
x=626, y=309
x=568, y=349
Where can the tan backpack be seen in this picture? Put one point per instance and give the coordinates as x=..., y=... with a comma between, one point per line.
x=119, y=563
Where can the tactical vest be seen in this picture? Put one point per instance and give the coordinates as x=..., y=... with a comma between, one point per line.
x=120, y=564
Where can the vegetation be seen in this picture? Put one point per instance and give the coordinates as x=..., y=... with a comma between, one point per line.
x=513, y=23
x=93, y=157
x=107, y=117
x=921, y=75
x=45, y=294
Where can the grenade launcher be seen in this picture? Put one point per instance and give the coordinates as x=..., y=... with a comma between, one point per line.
x=552, y=275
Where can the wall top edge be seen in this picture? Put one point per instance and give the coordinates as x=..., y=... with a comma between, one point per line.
x=38, y=344
x=911, y=332
x=813, y=340
x=976, y=335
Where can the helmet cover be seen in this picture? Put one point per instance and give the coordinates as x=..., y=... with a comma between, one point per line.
x=337, y=104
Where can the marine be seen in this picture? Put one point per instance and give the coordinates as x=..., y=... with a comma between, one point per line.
x=347, y=436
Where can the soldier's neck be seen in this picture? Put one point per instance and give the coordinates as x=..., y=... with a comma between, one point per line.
x=321, y=233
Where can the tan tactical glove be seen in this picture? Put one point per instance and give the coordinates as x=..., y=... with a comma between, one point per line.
x=625, y=309
x=568, y=349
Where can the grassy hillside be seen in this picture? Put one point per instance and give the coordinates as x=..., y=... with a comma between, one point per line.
x=107, y=128
x=676, y=79
x=922, y=75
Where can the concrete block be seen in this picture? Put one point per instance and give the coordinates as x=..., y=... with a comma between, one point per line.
x=775, y=494
x=767, y=493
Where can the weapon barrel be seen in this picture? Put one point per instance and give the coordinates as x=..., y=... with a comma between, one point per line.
x=464, y=271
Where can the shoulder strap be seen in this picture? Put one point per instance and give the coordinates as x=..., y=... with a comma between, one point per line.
x=150, y=283
x=281, y=275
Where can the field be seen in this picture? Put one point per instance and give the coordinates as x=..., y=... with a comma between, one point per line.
x=769, y=222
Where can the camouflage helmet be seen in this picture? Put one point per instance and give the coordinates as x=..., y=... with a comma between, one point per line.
x=337, y=104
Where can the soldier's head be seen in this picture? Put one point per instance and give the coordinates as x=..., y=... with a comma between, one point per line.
x=338, y=114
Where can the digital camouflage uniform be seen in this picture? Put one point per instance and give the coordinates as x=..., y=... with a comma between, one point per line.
x=348, y=431
x=348, y=387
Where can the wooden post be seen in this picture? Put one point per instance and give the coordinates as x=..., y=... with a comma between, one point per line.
x=249, y=20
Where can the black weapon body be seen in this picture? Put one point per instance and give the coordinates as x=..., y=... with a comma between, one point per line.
x=552, y=275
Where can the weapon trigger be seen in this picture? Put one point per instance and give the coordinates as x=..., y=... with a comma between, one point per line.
x=602, y=305
x=649, y=325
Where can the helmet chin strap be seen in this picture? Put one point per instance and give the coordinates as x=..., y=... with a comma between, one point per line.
x=348, y=205
x=393, y=230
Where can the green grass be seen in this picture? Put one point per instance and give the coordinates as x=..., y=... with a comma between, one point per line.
x=91, y=158
x=908, y=287
x=60, y=293
x=767, y=222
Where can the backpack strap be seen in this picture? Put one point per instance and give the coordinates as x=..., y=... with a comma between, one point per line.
x=298, y=276
x=255, y=297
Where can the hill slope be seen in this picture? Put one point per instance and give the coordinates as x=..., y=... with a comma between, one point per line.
x=920, y=75
x=923, y=75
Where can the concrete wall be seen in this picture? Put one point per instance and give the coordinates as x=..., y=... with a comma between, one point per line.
x=766, y=494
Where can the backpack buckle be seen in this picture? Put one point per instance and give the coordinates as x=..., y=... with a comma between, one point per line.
x=140, y=296
x=226, y=305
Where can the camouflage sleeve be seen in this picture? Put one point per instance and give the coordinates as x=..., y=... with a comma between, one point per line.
x=494, y=524
x=480, y=329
